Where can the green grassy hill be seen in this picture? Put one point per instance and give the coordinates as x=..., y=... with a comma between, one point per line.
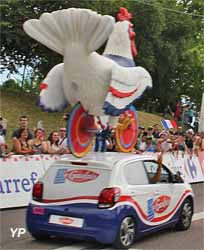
x=13, y=105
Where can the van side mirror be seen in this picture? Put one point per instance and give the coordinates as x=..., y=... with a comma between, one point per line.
x=177, y=178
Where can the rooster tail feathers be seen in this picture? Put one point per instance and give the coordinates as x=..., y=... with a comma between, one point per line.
x=59, y=28
x=101, y=34
x=45, y=32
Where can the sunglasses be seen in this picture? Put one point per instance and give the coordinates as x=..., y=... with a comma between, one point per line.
x=40, y=133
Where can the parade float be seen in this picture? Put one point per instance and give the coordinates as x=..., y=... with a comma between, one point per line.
x=95, y=85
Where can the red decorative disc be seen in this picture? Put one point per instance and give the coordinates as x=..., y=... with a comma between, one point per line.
x=127, y=130
x=80, y=129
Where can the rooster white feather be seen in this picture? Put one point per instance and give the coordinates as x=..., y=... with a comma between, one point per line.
x=119, y=42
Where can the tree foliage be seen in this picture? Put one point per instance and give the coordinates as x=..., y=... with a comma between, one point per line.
x=169, y=40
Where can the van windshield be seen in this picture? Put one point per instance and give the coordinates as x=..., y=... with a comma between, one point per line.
x=71, y=181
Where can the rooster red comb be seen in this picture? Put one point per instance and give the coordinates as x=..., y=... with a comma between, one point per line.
x=123, y=15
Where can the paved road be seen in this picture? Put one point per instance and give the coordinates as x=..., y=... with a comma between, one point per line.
x=192, y=239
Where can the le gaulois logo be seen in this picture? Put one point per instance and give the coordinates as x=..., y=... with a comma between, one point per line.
x=66, y=220
x=161, y=203
x=80, y=175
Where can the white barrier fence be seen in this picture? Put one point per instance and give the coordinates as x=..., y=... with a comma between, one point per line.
x=19, y=173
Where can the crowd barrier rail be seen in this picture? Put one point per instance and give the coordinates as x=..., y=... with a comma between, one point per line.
x=19, y=173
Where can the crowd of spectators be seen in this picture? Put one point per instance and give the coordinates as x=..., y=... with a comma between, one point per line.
x=151, y=139
x=155, y=140
x=25, y=142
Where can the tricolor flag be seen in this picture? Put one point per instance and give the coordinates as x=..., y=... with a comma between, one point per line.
x=168, y=124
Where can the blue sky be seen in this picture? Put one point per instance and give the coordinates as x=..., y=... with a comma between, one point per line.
x=5, y=75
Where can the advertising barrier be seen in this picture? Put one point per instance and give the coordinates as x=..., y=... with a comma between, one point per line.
x=191, y=168
x=19, y=173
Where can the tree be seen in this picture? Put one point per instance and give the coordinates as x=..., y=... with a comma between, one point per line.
x=169, y=40
x=17, y=48
x=170, y=50
x=193, y=57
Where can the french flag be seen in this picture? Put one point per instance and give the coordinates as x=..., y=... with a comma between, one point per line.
x=168, y=124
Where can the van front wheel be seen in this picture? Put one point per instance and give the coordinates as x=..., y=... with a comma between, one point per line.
x=185, y=216
x=126, y=234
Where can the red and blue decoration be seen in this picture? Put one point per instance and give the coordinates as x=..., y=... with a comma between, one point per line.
x=80, y=131
x=127, y=130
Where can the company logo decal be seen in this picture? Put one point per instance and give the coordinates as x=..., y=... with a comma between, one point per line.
x=80, y=175
x=59, y=178
x=66, y=221
x=186, y=169
x=150, y=210
x=161, y=204
x=192, y=168
x=157, y=206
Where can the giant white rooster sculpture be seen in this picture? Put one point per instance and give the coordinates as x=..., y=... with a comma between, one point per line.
x=104, y=84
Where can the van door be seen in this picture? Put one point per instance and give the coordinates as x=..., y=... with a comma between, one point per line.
x=138, y=188
x=165, y=194
x=156, y=203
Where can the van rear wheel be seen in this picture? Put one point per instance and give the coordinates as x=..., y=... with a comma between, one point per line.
x=126, y=234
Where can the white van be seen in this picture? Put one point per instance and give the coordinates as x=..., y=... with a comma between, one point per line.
x=108, y=197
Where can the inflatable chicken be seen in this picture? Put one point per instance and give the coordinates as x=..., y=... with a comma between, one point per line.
x=97, y=84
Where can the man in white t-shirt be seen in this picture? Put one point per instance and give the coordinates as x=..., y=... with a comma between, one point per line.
x=2, y=139
x=2, y=145
x=63, y=139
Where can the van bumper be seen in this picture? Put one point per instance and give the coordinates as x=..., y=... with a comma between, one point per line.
x=99, y=224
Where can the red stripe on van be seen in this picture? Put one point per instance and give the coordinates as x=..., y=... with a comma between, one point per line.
x=142, y=213
x=70, y=199
x=172, y=211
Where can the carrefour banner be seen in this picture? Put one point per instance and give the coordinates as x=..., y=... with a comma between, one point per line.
x=19, y=173
x=190, y=167
x=17, y=176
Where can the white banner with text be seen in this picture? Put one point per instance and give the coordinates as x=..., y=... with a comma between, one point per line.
x=19, y=173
